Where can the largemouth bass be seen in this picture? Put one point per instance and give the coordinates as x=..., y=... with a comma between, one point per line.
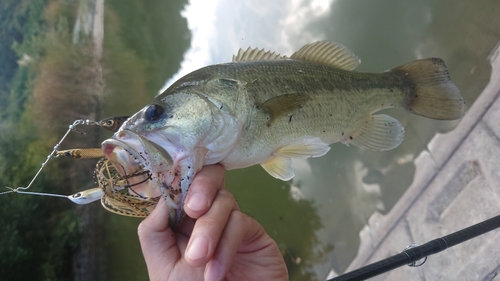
x=266, y=109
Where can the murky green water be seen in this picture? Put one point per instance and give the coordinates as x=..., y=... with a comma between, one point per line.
x=316, y=217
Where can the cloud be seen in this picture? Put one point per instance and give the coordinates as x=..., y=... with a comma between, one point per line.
x=200, y=16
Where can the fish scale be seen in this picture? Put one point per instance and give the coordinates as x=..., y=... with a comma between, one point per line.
x=335, y=105
x=346, y=95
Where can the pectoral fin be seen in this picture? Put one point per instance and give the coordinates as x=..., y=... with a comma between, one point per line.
x=283, y=105
x=378, y=132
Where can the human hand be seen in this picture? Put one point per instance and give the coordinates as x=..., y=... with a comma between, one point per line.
x=215, y=242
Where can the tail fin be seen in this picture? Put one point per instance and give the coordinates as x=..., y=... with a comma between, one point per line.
x=432, y=94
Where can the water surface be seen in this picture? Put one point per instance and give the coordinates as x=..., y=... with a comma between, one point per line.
x=316, y=217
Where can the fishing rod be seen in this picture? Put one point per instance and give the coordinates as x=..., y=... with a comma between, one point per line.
x=414, y=253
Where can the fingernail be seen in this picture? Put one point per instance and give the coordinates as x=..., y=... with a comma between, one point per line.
x=197, y=249
x=213, y=272
x=197, y=202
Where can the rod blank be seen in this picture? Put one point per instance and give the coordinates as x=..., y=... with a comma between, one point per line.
x=411, y=255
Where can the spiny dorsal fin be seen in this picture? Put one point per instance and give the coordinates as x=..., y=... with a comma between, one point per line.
x=284, y=104
x=256, y=54
x=329, y=53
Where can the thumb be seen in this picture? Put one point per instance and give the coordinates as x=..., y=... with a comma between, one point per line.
x=157, y=239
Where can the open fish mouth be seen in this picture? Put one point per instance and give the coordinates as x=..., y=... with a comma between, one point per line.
x=133, y=155
x=127, y=173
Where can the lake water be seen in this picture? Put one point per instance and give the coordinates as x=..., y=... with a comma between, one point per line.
x=316, y=217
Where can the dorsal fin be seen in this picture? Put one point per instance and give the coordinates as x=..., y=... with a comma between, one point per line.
x=329, y=53
x=256, y=54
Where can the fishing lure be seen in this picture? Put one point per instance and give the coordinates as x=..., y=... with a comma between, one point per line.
x=115, y=191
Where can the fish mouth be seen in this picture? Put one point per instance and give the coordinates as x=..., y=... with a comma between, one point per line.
x=132, y=154
x=129, y=153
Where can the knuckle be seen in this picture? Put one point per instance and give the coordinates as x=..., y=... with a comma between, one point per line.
x=238, y=216
x=201, y=182
x=226, y=194
x=207, y=221
x=228, y=199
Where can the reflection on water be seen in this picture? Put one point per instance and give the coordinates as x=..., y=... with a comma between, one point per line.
x=317, y=228
x=290, y=222
x=348, y=184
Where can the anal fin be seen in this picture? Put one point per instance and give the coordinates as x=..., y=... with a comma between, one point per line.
x=377, y=132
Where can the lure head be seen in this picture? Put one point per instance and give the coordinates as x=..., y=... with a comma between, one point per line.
x=87, y=196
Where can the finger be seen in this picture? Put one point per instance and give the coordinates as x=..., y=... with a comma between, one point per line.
x=157, y=239
x=244, y=236
x=203, y=190
x=208, y=229
x=240, y=227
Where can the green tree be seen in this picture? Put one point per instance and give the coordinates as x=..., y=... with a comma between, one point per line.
x=157, y=33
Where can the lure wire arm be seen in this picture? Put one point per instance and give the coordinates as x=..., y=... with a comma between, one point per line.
x=53, y=154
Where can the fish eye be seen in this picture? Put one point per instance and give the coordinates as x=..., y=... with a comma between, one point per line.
x=153, y=112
